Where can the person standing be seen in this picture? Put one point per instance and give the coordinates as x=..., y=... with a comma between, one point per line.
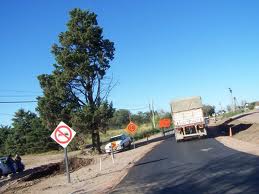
x=10, y=163
x=18, y=162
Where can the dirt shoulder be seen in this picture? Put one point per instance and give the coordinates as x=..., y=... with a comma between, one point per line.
x=239, y=145
x=88, y=179
x=245, y=130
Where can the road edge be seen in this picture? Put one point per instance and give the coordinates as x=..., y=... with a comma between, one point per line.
x=128, y=168
x=239, y=145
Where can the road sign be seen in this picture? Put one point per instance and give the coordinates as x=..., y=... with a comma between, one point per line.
x=164, y=123
x=114, y=145
x=131, y=128
x=63, y=134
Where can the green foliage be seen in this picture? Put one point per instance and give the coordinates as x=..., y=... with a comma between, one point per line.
x=4, y=132
x=54, y=106
x=120, y=119
x=76, y=92
x=141, y=118
x=231, y=114
x=208, y=110
x=166, y=115
x=28, y=135
x=251, y=105
x=143, y=134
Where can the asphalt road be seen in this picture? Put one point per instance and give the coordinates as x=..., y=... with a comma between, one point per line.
x=197, y=166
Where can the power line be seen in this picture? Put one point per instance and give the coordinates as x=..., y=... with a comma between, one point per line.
x=20, y=91
x=16, y=96
x=16, y=102
x=137, y=108
x=6, y=114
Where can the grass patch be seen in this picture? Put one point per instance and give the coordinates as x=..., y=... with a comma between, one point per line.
x=143, y=130
x=231, y=114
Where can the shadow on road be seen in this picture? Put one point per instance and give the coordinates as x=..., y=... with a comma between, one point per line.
x=149, y=162
x=143, y=143
x=236, y=173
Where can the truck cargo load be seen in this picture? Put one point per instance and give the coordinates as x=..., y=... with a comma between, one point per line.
x=188, y=118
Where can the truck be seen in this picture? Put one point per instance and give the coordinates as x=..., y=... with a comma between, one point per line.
x=188, y=118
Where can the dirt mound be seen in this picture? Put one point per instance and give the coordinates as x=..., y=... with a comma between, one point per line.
x=241, y=128
x=75, y=163
x=42, y=171
x=250, y=134
x=34, y=175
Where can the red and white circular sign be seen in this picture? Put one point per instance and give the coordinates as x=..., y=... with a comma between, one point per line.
x=63, y=134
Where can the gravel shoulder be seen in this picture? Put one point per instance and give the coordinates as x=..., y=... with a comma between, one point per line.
x=89, y=179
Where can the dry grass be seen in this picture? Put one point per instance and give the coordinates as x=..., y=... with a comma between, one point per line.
x=113, y=132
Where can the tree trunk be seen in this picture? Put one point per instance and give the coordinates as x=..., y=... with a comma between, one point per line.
x=95, y=132
x=96, y=141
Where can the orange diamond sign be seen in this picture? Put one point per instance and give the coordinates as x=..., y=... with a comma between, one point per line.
x=131, y=128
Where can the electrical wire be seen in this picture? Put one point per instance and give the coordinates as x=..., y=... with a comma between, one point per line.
x=16, y=96
x=6, y=114
x=138, y=108
x=21, y=91
x=17, y=102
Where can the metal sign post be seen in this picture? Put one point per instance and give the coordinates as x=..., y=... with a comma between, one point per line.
x=112, y=155
x=66, y=163
x=63, y=135
x=101, y=164
x=134, y=143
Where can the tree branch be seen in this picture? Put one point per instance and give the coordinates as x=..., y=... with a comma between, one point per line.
x=75, y=96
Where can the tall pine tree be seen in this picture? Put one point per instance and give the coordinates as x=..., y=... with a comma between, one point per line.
x=76, y=91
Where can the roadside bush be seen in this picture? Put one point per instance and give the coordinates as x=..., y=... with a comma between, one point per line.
x=144, y=134
x=231, y=114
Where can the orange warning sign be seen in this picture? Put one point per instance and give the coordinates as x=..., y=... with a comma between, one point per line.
x=164, y=123
x=131, y=128
x=113, y=145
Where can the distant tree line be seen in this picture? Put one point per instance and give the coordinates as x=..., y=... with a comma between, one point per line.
x=208, y=110
x=27, y=135
x=121, y=118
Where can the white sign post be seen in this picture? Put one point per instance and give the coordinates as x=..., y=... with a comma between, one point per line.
x=63, y=135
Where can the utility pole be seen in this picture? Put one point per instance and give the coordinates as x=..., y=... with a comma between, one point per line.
x=129, y=117
x=235, y=103
x=221, y=108
x=231, y=95
x=152, y=114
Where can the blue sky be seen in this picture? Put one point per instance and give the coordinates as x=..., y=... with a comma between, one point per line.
x=164, y=49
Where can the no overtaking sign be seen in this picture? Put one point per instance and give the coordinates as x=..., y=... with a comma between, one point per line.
x=63, y=134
